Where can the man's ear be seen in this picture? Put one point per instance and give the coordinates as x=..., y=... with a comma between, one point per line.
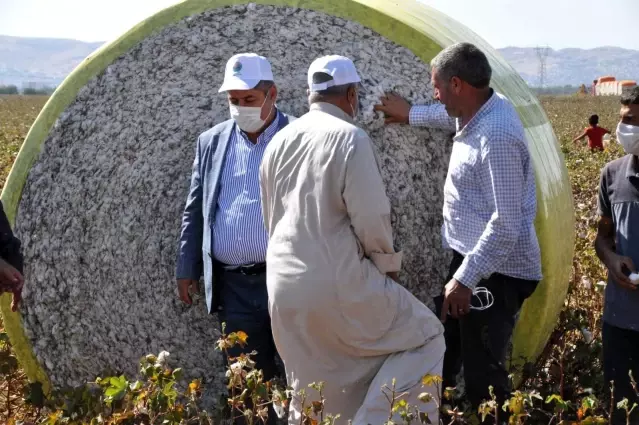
x=273, y=91
x=456, y=84
x=351, y=93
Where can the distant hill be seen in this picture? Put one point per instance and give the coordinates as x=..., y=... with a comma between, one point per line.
x=45, y=61
x=40, y=61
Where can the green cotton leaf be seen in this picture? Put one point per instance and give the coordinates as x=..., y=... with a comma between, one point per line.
x=117, y=388
x=588, y=403
x=170, y=392
x=35, y=395
x=114, y=394
x=261, y=391
x=556, y=398
x=118, y=381
x=149, y=371
x=560, y=404
x=177, y=374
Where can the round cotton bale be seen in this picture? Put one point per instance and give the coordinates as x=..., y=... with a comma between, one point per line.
x=98, y=187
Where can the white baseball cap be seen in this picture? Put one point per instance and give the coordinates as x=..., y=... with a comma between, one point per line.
x=341, y=68
x=244, y=71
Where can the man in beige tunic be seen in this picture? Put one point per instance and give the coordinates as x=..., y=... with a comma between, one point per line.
x=338, y=315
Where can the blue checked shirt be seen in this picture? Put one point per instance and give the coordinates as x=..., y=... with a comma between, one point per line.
x=489, y=194
x=239, y=235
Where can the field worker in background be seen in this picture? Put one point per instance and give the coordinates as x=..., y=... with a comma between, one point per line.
x=489, y=212
x=223, y=234
x=617, y=245
x=11, y=261
x=594, y=133
x=338, y=314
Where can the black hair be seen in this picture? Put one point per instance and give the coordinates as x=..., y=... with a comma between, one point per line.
x=465, y=61
x=631, y=98
x=264, y=85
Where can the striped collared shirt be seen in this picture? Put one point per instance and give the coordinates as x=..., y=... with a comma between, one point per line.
x=489, y=195
x=239, y=235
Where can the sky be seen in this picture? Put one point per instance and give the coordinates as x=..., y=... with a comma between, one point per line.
x=555, y=23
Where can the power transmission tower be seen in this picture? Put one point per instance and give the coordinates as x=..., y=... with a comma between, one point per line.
x=542, y=55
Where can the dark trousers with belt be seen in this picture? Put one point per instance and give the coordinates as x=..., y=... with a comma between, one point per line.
x=244, y=307
x=620, y=356
x=479, y=340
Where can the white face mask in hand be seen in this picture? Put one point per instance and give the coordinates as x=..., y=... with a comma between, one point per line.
x=485, y=298
x=628, y=137
x=248, y=117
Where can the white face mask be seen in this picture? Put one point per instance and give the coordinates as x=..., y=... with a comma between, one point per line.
x=248, y=117
x=484, y=299
x=628, y=137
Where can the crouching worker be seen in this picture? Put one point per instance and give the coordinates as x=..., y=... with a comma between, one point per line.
x=338, y=314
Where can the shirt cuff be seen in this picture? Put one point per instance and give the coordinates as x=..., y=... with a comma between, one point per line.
x=188, y=271
x=415, y=116
x=386, y=263
x=467, y=276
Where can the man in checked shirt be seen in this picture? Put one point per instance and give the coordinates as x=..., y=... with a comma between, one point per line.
x=489, y=211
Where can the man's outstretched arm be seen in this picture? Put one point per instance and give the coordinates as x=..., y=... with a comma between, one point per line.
x=398, y=110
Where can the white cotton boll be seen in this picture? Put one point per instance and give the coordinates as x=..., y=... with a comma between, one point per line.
x=163, y=358
x=586, y=283
x=634, y=278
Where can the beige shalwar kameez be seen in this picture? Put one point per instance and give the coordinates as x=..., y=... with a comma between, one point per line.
x=336, y=316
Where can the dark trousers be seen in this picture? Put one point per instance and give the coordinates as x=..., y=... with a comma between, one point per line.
x=479, y=340
x=244, y=302
x=621, y=355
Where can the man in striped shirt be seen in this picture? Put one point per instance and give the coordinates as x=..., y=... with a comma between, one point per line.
x=223, y=234
x=489, y=212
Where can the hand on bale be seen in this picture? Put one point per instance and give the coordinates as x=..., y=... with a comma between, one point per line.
x=11, y=280
x=395, y=108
